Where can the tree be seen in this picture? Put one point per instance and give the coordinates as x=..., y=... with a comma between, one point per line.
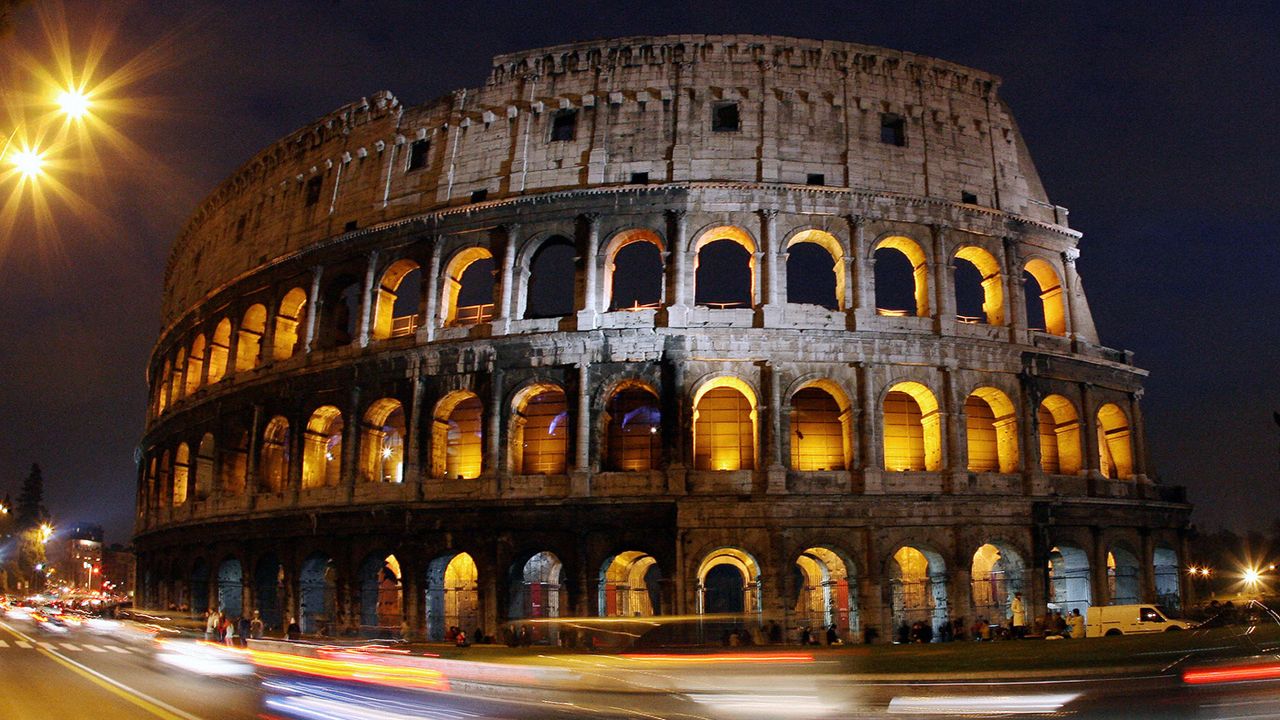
x=31, y=511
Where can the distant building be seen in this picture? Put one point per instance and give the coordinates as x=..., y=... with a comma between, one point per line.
x=76, y=556
x=119, y=574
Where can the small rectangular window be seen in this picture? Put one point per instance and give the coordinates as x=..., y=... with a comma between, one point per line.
x=639, y=178
x=893, y=129
x=725, y=118
x=313, y=190
x=563, y=125
x=968, y=198
x=418, y=154
x=240, y=228
x=350, y=226
x=815, y=179
x=479, y=195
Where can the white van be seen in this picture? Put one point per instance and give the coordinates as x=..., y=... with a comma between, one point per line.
x=1109, y=620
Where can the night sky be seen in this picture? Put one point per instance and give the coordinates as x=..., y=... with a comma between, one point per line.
x=1157, y=128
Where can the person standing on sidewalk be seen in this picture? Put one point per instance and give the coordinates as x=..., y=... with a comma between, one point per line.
x=1019, y=612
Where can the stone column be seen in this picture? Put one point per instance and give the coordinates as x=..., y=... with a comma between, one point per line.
x=1089, y=431
x=493, y=431
x=1070, y=282
x=776, y=471
x=1146, y=567
x=1098, y=569
x=676, y=424
x=506, y=303
x=1015, y=311
x=413, y=441
x=1033, y=477
x=298, y=445
x=233, y=351
x=351, y=444
x=774, y=296
x=943, y=282
x=678, y=311
x=580, y=482
x=869, y=447
x=431, y=322
x=952, y=418
x=313, y=308
x=588, y=315
x=267, y=354
x=251, y=482
x=1137, y=435
x=862, y=277
x=367, y=299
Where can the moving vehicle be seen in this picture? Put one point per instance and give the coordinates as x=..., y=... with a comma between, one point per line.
x=1107, y=620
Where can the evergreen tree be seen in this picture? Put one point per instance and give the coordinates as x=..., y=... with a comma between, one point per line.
x=31, y=510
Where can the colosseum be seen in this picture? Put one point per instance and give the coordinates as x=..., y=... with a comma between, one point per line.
x=651, y=326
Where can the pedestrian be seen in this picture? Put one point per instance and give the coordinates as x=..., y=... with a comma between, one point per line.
x=293, y=632
x=242, y=631
x=957, y=629
x=210, y=625
x=904, y=633
x=461, y=639
x=833, y=637
x=1019, y=612
x=1076, y=624
x=775, y=633
x=806, y=638
x=256, y=627
x=926, y=633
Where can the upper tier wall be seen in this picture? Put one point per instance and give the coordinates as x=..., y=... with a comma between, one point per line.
x=644, y=105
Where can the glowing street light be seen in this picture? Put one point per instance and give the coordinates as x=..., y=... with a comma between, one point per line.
x=46, y=532
x=73, y=103
x=1251, y=576
x=29, y=163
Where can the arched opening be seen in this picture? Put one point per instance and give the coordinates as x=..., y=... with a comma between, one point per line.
x=978, y=286
x=382, y=442
x=992, y=430
x=219, y=351
x=630, y=585
x=729, y=582
x=176, y=383
x=164, y=481
x=919, y=583
x=902, y=278
x=1046, y=307
x=635, y=271
x=552, y=279
x=997, y=574
x=249, y=345
x=1069, y=588
x=318, y=595
x=468, y=288
x=823, y=596
x=195, y=365
x=457, y=437
x=181, y=473
x=342, y=308
x=274, y=461
x=633, y=438
x=453, y=598
x=322, y=448
x=269, y=592
x=288, y=320
x=199, y=587
x=815, y=270
x=1167, y=578
x=230, y=588
x=380, y=601
x=537, y=589
x=724, y=426
x=820, y=429
x=1122, y=576
x=1059, y=430
x=398, y=296
x=725, y=269
x=162, y=391
x=912, y=429
x=1115, y=454
x=204, y=467
x=539, y=432
x=233, y=465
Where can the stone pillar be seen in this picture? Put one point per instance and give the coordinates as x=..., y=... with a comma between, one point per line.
x=233, y=351
x=580, y=484
x=1098, y=569
x=351, y=444
x=493, y=431
x=588, y=315
x=267, y=354
x=1033, y=477
x=313, y=308
x=861, y=287
x=430, y=323
x=367, y=299
x=1146, y=567
x=678, y=311
x=1015, y=301
x=506, y=302
x=413, y=441
x=952, y=419
x=774, y=295
x=411, y=609
x=1089, y=431
x=775, y=469
x=251, y=482
x=1137, y=435
x=298, y=445
x=675, y=428
x=943, y=281
x=1070, y=282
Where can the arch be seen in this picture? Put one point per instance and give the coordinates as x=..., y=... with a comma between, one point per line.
x=729, y=582
x=633, y=428
x=273, y=464
x=912, y=428
x=199, y=586
x=724, y=276
x=1167, y=576
x=457, y=436
x=318, y=595
x=539, y=431
x=991, y=426
x=177, y=382
x=724, y=425
x=987, y=284
x=468, y=294
x=634, y=270
x=537, y=587
x=1123, y=573
x=453, y=598
x=288, y=319
x=322, y=448
x=164, y=481
x=629, y=586
x=231, y=588
x=382, y=442
x=1115, y=451
x=1069, y=586
x=233, y=462
x=820, y=427
x=808, y=279
x=219, y=351
x=918, y=578
x=823, y=597
x=892, y=281
x=1041, y=281
x=249, y=343
x=397, y=298
x=552, y=279
x=381, y=601
x=181, y=473
x=162, y=391
x=340, y=311
x=205, y=454
x=195, y=365
x=997, y=573
x=269, y=592
x=1059, y=431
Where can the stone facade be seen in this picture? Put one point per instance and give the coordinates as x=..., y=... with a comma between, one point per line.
x=298, y=414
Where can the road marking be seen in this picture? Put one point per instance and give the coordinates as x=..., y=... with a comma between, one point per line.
x=23, y=644
x=114, y=648
x=95, y=648
x=70, y=646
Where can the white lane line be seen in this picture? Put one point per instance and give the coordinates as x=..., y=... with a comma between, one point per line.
x=95, y=648
x=114, y=648
x=23, y=644
x=72, y=647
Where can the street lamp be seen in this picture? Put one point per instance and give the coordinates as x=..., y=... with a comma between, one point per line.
x=46, y=532
x=73, y=103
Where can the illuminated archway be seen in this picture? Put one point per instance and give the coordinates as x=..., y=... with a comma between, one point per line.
x=996, y=575
x=396, y=307
x=992, y=430
x=181, y=473
x=162, y=391
x=457, y=436
x=288, y=320
x=918, y=578
x=1123, y=576
x=537, y=588
x=539, y=431
x=629, y=586
x=1069, y=586
x=1045, y=302
x=986, y=273
x=1114, y=449
x=453, y=598
x=1059, y=430
x=204, y=467
x=274, y=458
x=633, y=428
x=808, y=252
x=269, y=592
x=912, y=428
x=725, y=268
x=195, y=365
x=380, y=596
x=820, y=427
x=219, y=351
x=178, y=385
x=724, y=425
x=467, y=296
x=633, y=270
x=322, y=448
x=318, y=595
x=1168, y=579
x=552, y=279
x=231, y=588
x=823, y=579
x=382, y=442
x=893, y=282
x=249, y=347
x=729, y=582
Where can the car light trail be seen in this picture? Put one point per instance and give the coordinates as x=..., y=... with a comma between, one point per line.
x=1232, y=673
x=980, y=704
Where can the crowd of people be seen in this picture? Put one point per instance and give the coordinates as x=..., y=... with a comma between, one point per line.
x=227, y=629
